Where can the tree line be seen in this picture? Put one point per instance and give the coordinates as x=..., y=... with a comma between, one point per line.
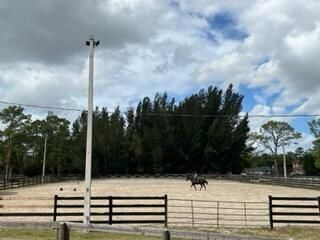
x=157, y=136
x=203, y=133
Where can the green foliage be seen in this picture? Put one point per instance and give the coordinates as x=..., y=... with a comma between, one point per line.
x=315, y=129
x=158, y=136
x=308, y=160
x=274, y=134
x=15, y=129
x=41, y=234
x=316, y=153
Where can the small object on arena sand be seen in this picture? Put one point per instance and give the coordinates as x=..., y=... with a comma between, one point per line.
x=74, y=189
x=61, y=189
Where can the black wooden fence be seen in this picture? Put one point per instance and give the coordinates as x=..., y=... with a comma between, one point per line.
x=104, y=209
x=115, y=209
x=299, y=182
x=154, y=210
x=17, y=182
x=304, y=210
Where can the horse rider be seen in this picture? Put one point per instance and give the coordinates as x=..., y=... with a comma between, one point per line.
x=195, y=177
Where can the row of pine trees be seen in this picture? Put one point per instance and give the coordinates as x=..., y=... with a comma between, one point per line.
x=202, y=133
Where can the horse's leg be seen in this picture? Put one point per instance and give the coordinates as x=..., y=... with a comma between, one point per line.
x=201, y=186
x=194, y=187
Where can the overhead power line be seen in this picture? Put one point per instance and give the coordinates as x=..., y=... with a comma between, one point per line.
x=173, y=114
x=226, y=116
x=38, y=106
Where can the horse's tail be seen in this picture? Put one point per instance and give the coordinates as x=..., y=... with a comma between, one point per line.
x=205, y=181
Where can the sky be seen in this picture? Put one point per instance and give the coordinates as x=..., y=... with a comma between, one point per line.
x=268, y=50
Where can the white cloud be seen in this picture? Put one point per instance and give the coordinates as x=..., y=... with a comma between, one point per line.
x=155, y=46
x=286, y=34
x=209, y=7
x=256, y=122
x=35, y=84
x=305, y=142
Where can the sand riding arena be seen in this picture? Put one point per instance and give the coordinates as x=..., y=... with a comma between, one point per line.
x=224, y=203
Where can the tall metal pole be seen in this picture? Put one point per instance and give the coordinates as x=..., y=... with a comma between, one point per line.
x=284, y=163
x=44, y=157
x=87, y=184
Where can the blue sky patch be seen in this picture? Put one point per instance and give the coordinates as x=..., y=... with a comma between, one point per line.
x=226, y=24
x=248, y=101
x=174, y=4
x=210, y=36
x=260, y=62
x=300, y=124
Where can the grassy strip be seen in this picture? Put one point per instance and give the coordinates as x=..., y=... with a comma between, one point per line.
x=294, y=233
x=289, y=232
x=29, y=234
x=109, y=236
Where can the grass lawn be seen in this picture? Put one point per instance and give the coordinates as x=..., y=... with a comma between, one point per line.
x=29, y=234
x=292, y=233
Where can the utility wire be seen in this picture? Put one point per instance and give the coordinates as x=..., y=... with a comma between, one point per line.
x=38, y=106
x=226, y=116
x=172, y=114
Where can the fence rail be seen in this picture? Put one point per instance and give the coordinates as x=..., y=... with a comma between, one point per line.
x=105, y=209
x=199, y=213
x=117, y=209
x=300, y=210
x=300, y=182
x=307, y=182
x=17, y=182
x=110, y=210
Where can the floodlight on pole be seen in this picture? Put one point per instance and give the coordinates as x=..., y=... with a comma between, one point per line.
x=87, y=182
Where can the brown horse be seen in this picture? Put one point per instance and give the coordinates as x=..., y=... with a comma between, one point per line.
x=200, y=181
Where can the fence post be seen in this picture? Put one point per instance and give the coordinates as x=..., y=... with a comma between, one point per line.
x=192, y=213
x=319, y=204
x=110, y=210
x=166, y=210
x=63, y=232
x=55, y=207
x=270, y=212
x=165, y=234
x=218, y=214
x=245, y=213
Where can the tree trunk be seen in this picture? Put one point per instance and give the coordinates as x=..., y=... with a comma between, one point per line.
x=10, y=172
x=7, y=171
x=59, y=169
x=276, y=167
x=8, y=161
x=275, y=161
